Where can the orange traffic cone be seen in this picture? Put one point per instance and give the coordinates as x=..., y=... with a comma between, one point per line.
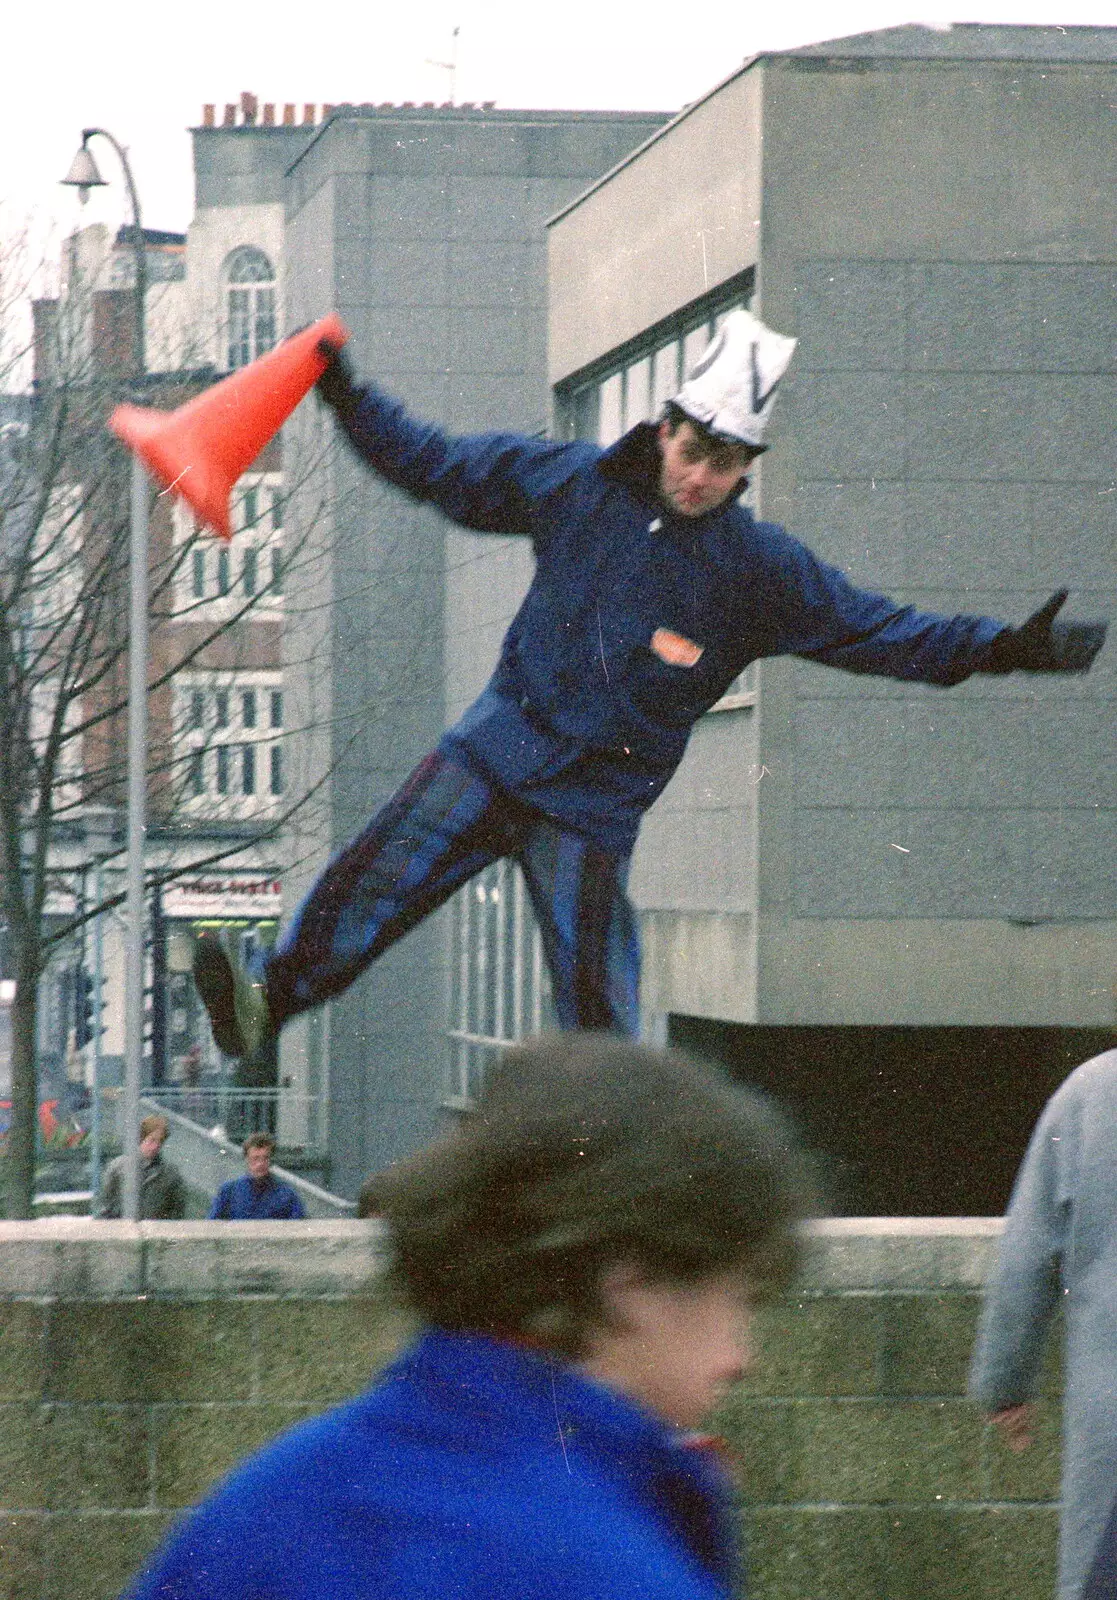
x=199, y=451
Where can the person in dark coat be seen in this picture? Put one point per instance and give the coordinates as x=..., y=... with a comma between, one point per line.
x=162, y=1192
x=653, y=589
x=1059, y=1251
x=584, y=1253
x=259, y=1196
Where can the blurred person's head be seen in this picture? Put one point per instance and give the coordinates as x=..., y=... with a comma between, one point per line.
x=153, y=1136
x=619, y=1206
x=258, y=1149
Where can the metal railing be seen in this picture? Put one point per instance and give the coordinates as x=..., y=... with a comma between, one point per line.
x=291, y=1118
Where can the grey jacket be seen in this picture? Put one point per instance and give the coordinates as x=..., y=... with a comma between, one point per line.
x=1060, y=1248
x=162, y=1191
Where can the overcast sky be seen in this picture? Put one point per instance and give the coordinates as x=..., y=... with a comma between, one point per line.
x=144, y=71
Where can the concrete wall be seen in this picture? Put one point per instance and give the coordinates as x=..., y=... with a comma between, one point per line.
x=138, y=1363
x=940, y=235
x=425, y=231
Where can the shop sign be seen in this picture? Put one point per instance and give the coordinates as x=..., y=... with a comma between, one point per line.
x=207, y=894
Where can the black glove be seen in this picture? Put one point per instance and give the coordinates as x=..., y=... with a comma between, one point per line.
x=1043, y=645
x=336, y=386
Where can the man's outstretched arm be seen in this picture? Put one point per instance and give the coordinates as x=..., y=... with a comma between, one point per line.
x=828, y=619
x=490, y=483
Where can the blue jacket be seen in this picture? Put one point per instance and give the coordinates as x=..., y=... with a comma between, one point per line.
x=472, y=1470
x=245, y=1200
x=582, y=719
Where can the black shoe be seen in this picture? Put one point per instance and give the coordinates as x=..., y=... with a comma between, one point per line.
x=237, y=1005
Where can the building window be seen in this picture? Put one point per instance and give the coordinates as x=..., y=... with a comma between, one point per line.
x=250, y=290
x=248, y=566
x=633, y=383
x=226, y=731
x=500, y=988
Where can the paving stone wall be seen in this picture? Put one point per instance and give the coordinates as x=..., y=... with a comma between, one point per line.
x=139, y=1362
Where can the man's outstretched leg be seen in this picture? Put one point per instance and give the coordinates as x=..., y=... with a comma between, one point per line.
x=445, y=825
x=588, y=927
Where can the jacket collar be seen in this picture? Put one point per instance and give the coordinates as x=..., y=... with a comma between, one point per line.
x=634, y=462
x=532, y=1394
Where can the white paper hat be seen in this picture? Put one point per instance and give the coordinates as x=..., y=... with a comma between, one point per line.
x=731, y=389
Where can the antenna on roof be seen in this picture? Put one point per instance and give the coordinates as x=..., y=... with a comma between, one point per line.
x=450, y=66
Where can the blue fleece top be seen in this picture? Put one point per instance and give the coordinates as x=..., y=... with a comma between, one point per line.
x=245, y=1200
x=472, y=1470
x=582, y=718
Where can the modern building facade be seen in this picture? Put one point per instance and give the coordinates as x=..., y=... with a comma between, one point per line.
x=865, y=894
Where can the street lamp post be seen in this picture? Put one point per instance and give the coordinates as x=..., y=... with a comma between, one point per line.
x=83, y=175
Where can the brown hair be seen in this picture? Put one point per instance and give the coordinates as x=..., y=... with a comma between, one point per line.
x=258, y=1141
x=154, y=1124
x=708, y=441
x=586, y=1150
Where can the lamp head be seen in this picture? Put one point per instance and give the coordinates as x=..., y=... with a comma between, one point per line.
x=83, y=174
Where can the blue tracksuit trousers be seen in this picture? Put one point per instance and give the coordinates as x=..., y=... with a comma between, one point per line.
x=439, y=830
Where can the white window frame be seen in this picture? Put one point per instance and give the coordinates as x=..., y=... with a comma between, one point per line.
x=251, y=306
x=234, y=736
x=261, y=534
x=500, y=985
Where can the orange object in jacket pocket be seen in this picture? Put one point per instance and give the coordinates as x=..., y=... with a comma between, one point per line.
x=676, y=650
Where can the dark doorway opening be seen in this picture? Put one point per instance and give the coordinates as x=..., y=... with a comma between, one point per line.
x=914, y=1122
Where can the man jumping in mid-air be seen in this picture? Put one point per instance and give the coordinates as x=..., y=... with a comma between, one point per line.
x=653, y=589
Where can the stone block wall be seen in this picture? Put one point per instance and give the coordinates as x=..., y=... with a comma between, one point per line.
x=139, y=1362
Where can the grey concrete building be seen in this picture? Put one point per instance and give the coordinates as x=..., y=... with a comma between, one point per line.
x=425, y=229
x=894, y=897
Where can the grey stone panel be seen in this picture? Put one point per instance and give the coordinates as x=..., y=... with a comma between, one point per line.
x=488, y=340
x=488, y=208
x=719, y=771
x=1072, y=310
x=1054, y=428
x=684, y=866
x=969, y=318
x=969, y=532
x=390, y=333
x=491, y=401
x=913, y=863
x=848, y=425
x=851, y=754
x=1075, y=538
x=408, y=208
x=1074, y=752
x=480, y=276
x=1074, y=856
x=378, y=269
x=859, y=526
x=959, y=753
x=851, y=316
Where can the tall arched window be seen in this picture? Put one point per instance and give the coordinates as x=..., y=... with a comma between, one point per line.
x=250, y=287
